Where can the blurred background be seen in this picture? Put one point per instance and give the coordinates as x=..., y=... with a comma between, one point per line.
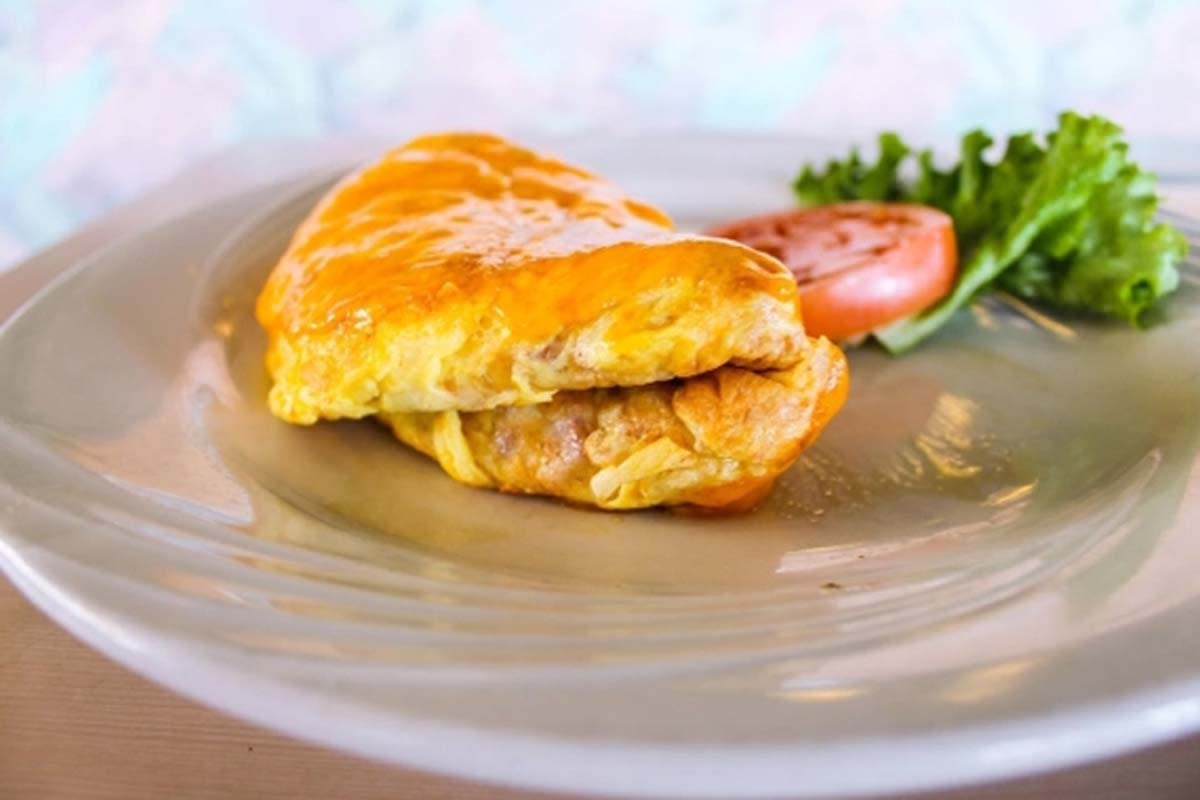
x=101, y=99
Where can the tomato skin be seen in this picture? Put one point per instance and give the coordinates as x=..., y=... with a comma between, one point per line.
x=859, y=265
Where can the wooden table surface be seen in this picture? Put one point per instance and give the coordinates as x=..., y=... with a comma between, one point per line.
x=75, y=725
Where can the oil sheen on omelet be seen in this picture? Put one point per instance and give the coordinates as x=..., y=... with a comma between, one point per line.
x=535, y=330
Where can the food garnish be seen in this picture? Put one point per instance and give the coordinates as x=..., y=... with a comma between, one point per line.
x=859, y=265
x=1069, y=222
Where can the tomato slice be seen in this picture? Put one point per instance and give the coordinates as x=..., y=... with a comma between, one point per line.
x=859, y=265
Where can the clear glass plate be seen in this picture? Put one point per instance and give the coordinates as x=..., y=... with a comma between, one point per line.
x=985, y=567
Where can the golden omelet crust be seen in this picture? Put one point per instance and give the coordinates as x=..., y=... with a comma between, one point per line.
x=460, y=272
x=536, y=331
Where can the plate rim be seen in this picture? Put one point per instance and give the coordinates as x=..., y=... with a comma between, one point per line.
x=954, y=763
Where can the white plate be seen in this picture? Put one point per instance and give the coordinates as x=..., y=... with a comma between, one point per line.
x=986, y=567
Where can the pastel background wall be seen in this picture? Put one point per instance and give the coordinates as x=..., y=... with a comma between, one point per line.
x=101, y=98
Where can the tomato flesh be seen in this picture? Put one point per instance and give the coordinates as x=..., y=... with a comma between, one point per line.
x=859, y=265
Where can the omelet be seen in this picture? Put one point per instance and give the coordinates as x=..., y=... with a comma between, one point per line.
x=535, y=330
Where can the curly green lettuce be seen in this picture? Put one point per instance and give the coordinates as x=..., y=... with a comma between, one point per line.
x=1069, y=223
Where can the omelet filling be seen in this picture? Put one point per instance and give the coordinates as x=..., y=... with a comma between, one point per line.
x=711, y=440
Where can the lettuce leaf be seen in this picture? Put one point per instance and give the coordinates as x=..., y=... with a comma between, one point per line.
x=1069, y=223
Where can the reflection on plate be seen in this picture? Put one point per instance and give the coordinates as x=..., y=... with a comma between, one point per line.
x=984, y=567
